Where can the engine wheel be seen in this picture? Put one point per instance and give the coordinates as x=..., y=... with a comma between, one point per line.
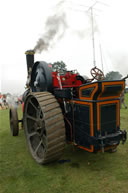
x=44, y=127
x=14, y=126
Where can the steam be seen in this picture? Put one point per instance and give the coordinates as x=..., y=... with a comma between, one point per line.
x=12, y=101
x=54, y=30
x=56, y=26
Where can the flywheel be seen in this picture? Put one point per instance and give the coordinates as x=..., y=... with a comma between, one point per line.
x=44, y=127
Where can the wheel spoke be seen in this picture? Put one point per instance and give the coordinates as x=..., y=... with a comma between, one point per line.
x=38, y=128
x=38, y=146
x=36, y=108
x=32, y=134
x=32, y=118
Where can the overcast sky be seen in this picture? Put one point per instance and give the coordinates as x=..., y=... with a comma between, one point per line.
x=22, y=23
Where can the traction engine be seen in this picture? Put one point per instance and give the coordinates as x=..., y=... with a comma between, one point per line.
x=61, y=108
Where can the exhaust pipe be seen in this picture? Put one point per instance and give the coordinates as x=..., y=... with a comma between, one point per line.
x=30, y=63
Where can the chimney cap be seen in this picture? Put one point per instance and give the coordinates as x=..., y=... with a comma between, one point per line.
x=30, y=52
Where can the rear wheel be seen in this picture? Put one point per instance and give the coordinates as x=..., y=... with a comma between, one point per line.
x=44, y=127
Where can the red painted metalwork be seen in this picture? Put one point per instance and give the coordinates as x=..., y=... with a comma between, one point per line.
x=23, y=107
x=68, y=80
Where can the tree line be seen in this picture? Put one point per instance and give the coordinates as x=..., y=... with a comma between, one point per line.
x=62, y=67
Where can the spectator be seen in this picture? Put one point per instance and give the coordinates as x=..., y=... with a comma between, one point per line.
x=122, y=100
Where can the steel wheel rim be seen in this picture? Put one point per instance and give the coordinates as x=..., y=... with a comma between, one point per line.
x=35, y=128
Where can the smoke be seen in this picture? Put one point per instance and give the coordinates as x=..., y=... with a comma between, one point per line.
x=56, y=26
x=83, y=28
x=54, y=30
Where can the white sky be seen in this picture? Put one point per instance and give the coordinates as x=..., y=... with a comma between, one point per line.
x=22, y=23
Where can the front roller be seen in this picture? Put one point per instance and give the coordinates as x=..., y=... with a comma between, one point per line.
x=14, y=126
x=44, y=127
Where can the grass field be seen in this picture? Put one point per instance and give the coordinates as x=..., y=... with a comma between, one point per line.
x=85, y=173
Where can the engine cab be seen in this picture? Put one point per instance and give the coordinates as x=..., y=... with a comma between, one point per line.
x=95, y=116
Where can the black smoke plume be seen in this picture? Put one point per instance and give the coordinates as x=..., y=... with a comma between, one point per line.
x=54, y=29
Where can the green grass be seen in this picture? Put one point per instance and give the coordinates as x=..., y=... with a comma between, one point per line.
x=86, y=173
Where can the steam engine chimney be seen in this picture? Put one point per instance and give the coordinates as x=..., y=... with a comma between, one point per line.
x=30, y=60
x=30, y=63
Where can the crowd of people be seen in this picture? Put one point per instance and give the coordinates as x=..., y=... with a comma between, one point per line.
x=3, y=103
x=9, y=100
